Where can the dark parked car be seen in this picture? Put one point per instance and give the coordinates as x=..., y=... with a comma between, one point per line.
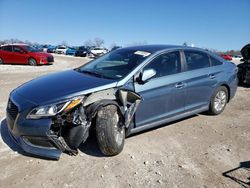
x=51, y=49
x=23, y=54
x=244, y=68
x=121, y=93
x=82, y=51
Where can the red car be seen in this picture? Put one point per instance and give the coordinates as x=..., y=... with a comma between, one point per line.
x=226, y=57
x=23, y=54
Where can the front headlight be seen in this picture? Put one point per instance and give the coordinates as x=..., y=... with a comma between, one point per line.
x=53, y=109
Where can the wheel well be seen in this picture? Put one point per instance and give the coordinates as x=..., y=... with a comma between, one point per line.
x=228, y=91
x=32, y=58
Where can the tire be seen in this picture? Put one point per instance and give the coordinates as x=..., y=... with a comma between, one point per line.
x=32, y=62
x=1, y=61
x=110, y=132
x=218, y=101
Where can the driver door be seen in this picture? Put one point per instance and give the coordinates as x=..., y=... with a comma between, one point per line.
x=163, y=95
x=19, y=56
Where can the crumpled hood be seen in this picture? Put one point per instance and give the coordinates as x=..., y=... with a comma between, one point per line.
x=245, y=52
x=62, y=85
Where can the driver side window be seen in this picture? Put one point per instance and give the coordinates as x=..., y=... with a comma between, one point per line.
x=166, y=64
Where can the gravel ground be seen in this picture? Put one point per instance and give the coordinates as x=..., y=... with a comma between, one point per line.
x=194, y=152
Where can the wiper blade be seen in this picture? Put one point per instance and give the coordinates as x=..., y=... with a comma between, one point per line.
x=94, y=73
x=91, y=73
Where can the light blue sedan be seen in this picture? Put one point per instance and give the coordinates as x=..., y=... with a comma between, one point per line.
x=121, y=93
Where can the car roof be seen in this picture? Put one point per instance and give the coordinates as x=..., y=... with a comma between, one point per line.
x=15, y=44
x=158, y=47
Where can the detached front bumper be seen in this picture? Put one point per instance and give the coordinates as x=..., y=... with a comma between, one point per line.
x=33, y=136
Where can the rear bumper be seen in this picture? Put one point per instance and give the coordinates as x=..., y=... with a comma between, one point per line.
x=233, y=86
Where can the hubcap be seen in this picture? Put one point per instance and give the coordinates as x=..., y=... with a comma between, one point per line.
x=118, y=130
x=32, y=62
x=220, y=100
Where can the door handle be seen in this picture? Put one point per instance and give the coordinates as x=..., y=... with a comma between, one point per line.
x=179, y=85
x=212, y=76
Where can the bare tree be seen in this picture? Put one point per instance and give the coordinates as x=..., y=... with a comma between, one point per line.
x=137, y=43
x=28, y=42
x=112, y=45
x=98, y=42
x=12, y=41
x=64, y=43
x=185, y=44
x=89, y=43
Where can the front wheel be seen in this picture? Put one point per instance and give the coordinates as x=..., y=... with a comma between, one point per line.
x=1, y=61
x=218, y=101
x=32, y=62
x=109, y=131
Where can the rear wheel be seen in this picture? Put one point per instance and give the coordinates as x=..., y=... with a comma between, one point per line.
x=109, y=131
x=218, y=101
x=32, y=62
x=1, y=61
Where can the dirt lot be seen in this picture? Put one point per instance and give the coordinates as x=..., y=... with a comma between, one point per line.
x=194, y=152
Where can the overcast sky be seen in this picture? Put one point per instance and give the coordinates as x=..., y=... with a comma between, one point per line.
x=218, y=24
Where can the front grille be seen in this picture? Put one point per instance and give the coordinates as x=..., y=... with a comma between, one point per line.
x=12, y=109
x=50, y=59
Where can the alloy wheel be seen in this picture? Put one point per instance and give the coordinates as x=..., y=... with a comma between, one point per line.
x=220, y=100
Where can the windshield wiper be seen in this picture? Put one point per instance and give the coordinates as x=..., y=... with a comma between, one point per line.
x=94, y=73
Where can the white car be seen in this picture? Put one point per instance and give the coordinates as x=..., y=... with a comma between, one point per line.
x=61, y=50
x=237, y=57
x=99, y=51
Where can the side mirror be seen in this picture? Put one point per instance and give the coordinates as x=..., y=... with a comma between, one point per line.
x=22, y=52
x=146, y=75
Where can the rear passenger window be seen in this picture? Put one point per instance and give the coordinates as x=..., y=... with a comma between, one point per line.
x=166, y=64
x=196, y=60
x=215, y=62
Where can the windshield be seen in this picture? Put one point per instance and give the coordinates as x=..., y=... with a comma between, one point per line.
x=116, y=64
x=30, y=49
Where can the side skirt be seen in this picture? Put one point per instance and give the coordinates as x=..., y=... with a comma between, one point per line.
x=167, y=120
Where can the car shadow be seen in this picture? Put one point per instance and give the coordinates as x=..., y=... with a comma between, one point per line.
x=90, y=147
x=236, y=174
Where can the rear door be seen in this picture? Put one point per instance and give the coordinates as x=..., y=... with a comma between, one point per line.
x=164, y=95
x=199, y=79
x=5, y=53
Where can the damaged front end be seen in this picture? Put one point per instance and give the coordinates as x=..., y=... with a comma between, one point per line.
x=71, y=126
